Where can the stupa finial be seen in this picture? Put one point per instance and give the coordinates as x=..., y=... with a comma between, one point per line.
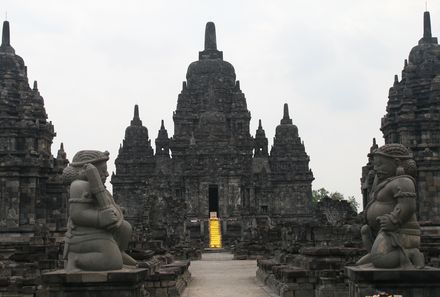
x=427, y=34
x=286, y=118
x=286, y=111
x=427, y=25
x=136, y=111
x=136, y=120
x=6, y=37
x=210, y=37
x=210, y=51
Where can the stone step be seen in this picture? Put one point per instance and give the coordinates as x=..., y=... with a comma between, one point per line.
x=215, y=250
x=215, y=239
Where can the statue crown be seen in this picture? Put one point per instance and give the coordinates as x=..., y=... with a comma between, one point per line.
x=394, y=150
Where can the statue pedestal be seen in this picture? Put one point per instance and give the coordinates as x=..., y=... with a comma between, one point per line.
x=116, y=283
x=411, y=282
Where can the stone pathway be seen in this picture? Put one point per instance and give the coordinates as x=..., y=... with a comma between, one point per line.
x=218, y=275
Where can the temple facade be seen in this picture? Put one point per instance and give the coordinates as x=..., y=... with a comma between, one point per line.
x=212, y=165
x=31, y=190
x=413, y=119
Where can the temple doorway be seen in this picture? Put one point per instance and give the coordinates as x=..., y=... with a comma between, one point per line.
x=213, y=201
x=215, y=233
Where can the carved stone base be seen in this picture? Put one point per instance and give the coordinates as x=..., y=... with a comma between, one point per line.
x=409, y=283
x=117, y=283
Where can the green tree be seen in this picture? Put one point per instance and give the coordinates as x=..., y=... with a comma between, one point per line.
x=336, y=196
x=354, y=204
x=317, y=195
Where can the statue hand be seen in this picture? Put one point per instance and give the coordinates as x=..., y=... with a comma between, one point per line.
x=95, y=180
x=108, y=217
x=385, y=223
x=90, y=170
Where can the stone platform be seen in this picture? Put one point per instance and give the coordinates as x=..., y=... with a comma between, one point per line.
x=409, y=283
x=117, y=283
x=169, y=280
x=315, y=272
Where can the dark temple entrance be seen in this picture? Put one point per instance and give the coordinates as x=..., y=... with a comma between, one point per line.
x=213, y=199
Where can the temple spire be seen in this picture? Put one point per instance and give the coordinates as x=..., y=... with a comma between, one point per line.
x=260, y=144
x=210, y=51
x=286, y=111
x=210, y=37
x=162, y=141
x=61, y=155
x=427, y=34
x=136, y=120
x=374, y=146
x=427, y=25
x=6, y=39
x=286, y=118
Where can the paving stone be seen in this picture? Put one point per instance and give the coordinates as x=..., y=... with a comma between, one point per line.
x=224, y=277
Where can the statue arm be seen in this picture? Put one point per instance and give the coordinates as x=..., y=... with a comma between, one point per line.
x=82, y=214
x=405, y=195
x=97, y=187
x=104, y=199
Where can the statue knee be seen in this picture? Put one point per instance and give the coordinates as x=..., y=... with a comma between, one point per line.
x=123, y=235
x=109, y=258
x=386, y=260
x=99, y=262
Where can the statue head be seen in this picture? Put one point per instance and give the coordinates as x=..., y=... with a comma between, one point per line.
x=392, y=160
x=97, y=158
x=88, y=156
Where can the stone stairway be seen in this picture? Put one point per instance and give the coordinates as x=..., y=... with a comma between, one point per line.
x=215, y=236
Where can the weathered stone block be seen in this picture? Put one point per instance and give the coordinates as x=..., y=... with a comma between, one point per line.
x=118, y=283
x=410, y=282
x=161, y=292
x=305, y=293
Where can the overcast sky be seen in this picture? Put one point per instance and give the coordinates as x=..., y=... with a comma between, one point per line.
x=331, y=61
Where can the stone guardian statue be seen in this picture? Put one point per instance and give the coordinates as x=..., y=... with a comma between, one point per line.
x=392, y=233
x=97, y=233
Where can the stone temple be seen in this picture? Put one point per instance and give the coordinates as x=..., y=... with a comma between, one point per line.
x=212, y=165
x=413, y=119
x=31, y=188
x=33, y=198
x=211, y=175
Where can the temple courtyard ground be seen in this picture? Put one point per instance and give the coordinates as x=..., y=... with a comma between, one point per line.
x=218, y=275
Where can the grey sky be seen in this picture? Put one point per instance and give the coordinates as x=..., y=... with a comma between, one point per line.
x=332, y=61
